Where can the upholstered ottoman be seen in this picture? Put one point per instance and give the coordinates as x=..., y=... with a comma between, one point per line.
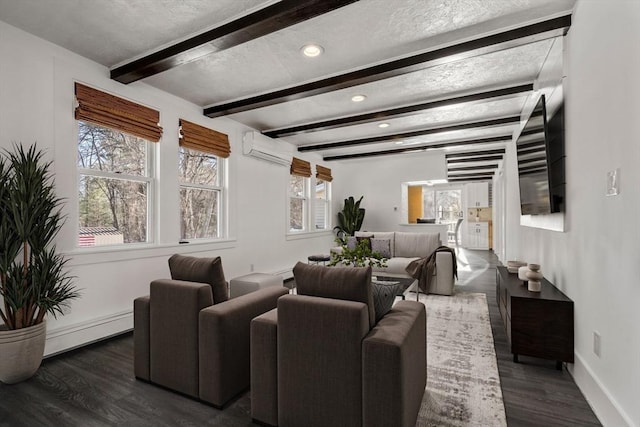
x=252, y=282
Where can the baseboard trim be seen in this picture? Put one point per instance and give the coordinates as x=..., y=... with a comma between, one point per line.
x=598, y=396
x=69, y=337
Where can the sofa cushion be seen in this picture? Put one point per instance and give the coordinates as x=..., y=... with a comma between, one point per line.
x=345, y=283
x=396, y=266
x=416, y=244
x=201, y=270
x=381, y=246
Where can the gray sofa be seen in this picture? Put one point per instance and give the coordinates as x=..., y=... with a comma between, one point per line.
x=320, y=359
x=405, y=247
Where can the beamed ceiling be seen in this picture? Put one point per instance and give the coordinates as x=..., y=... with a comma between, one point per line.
x=442, y=75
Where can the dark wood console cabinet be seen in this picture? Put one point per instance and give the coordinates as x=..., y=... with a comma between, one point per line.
x=538, y=324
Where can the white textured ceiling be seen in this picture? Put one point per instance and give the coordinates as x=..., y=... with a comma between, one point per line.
x=512, y=66
x=112, y=31
x=367, y=32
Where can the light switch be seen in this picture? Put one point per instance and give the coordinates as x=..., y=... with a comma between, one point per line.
x=613, y=182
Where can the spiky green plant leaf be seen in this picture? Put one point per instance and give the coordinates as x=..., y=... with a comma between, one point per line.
x=350, y=218
x=33, y=277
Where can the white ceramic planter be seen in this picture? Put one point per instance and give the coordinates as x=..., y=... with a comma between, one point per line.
x=534, y=276
x=21, y=352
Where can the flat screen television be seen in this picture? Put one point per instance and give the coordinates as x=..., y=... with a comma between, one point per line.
x=540, y=156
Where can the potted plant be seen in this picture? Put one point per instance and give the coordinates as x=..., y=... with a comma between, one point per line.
x=350, y=219
x=33, y=280
x=360, y=256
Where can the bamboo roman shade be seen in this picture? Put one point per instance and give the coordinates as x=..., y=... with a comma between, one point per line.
x=204, y=139
x=300, y=167
x=323, y=173
x=114, y=112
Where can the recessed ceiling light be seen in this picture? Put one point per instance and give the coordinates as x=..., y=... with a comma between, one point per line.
x=312, y=50
x=358, y=98
x=399, y=142
x=384, y=125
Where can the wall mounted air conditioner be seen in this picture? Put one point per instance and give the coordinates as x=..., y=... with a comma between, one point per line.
x=257, y=146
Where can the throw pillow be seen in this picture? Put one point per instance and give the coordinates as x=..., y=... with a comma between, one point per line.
x=381, y=246
x=384, y=294
x=201, y=270
x=351, y=243
x=345, y=283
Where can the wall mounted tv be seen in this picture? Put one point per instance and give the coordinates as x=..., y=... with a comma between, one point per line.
x=540, y=155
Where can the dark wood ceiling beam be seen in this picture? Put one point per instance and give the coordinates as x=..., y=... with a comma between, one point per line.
x=495, y=42
x=424, y=147
x=474, y=168
x=471, y=173
x=405, y=111
x=257, y=24
x=474, y=153
x=404, y=135
x=479, y=178
x=475, y=159
x=375, y=153
x=479, y=141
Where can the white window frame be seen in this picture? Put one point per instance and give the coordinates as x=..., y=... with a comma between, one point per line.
x=220, y=188
x=326, y=203
x=305, y=204
x=435, y=191
x=148, y=178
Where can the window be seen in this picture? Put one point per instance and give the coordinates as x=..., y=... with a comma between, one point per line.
x=114, y=186
x=323, y=198
x=201, y=198
x=305, y=208
x=443, y=205
x=298, y=201
x=299, y=195
x=115, y=178
x=323, y=203
x=201, y=173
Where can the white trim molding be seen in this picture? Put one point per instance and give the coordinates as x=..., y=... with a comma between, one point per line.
x=80, y=334
x=608, y=411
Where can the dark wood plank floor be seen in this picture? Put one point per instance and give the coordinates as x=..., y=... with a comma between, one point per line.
x=534, y=392
x=94, y=385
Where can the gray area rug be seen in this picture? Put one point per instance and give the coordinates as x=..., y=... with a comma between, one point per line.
x=463, y=385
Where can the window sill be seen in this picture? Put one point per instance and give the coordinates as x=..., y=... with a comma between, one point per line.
x=104, y=254
x=308, y=234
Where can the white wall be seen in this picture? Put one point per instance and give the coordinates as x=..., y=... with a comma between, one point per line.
x=36, y=104
x=595, y=261
x=380, y=180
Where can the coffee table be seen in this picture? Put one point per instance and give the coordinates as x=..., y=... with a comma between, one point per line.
x=405, y=283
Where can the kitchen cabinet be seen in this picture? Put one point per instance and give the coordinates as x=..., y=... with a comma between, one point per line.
x=477, y=235
x=477, y=195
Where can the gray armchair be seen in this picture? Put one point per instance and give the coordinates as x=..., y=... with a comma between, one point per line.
x=320, y=359
x=187, y=340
